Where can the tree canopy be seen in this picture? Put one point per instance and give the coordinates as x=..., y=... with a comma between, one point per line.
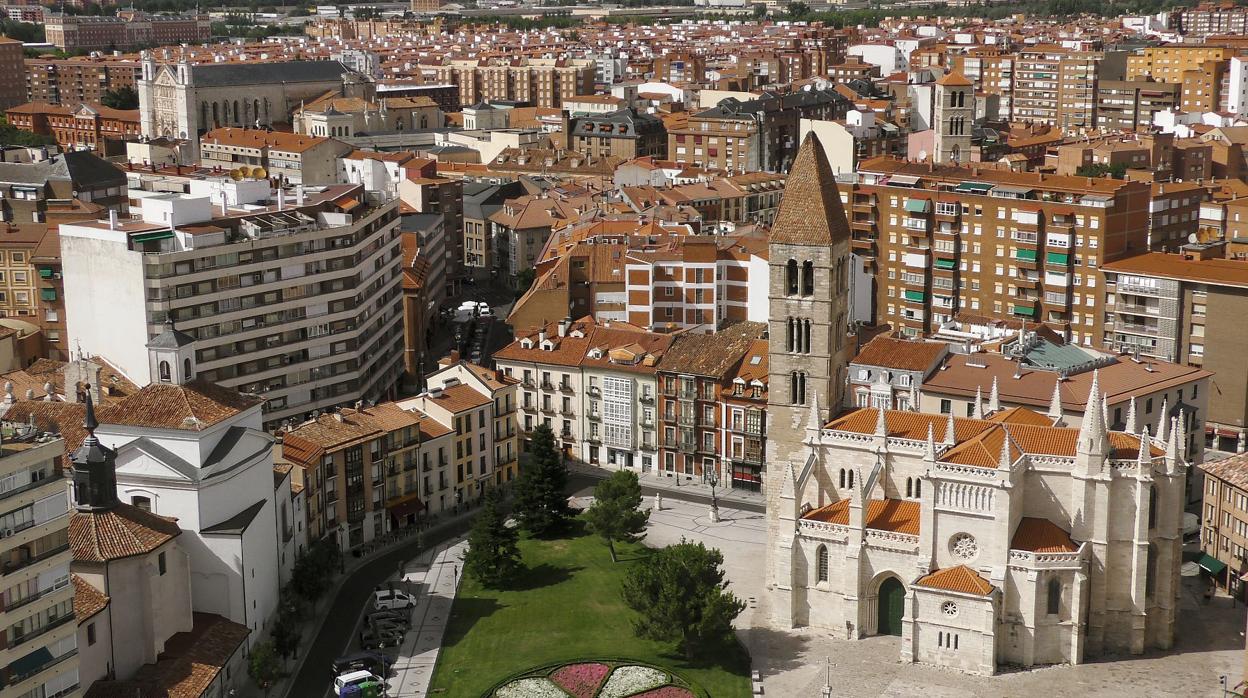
x=616, y=515
x=680, y=595
x=493, y=555
x=541, y=501
x=121, y=98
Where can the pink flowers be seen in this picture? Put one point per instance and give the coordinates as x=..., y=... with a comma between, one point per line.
x=666, y=692
x=582, y=680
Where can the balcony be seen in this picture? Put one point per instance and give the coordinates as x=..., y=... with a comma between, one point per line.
x=547, y=385
x=687, y=447
x=749, y=456
x=565, y=388
x=593, y=439
x=18, y=640
x=689, y=394
x=647, y=423
x=685, y=419
x=528, y=383
x=594, y=417
x=567, y=436
x=866, y=247
x=1025, y=237
x=567, y=412
x=920, y=244
x=35, y=597
x=595, y=391
x=646, y=399
x=548, y=409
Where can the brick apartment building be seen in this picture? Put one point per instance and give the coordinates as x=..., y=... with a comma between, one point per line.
x=71, y=81
x=12, y=73
x=82, y=127
x=541, y=82
x=127, y=30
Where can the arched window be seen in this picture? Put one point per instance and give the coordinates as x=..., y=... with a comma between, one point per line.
x=790, y=281
x=1150, y=574
x=186, y=369
x=237, y=118
x=821, y=564
x=808, y=278
x=791, y=335
x=216, y=114
x=1152, y=507
x=1054, y=605
x=255, y=109
x=918, y=487
x=909, y=487
x=165, y=375
x=144, y=503
x=851, y=478
x=955, y=153
x=842, y=478
x=806, y=338
x=424, y=122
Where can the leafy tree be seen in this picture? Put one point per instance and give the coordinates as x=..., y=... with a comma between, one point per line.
x=264, y=668
x=682, y=597
x=286, y=630
x=121, y=98
x=1117, y=170
x=12, y=135
x=541, y=504
x=493, y=555
x=616, y=514
x=798, y=10
x=759, y=11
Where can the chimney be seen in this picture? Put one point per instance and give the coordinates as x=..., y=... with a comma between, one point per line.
x=281, y=198
x=112, y=219
x=541, y=336
x=299, y=194
x=563, y=326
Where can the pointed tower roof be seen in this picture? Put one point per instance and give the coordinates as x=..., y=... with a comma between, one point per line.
x=950, y=435
x=171, y=338
x=1055, y=404
x=978, y=411
x=881, y=425
x=94, y=468
x=1092, y=433
x=954, y=78
x=994, y=397
x=1162, y=419
x=929, y=448
x=810, y=211
x=1130, y=427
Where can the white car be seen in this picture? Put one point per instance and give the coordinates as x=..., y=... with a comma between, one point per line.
x=389, y=599
x=354, y=678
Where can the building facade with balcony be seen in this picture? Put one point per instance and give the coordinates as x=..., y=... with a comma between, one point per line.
x=40, y=649
x=301, y=302
x=943, y=241
x=594, y=385
x=1224, y=521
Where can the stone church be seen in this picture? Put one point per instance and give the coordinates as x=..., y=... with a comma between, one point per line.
x=182, y=100
x=1010, y=539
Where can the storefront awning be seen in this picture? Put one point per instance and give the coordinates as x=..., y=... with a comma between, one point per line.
x=401, y=508
x=1212, y=565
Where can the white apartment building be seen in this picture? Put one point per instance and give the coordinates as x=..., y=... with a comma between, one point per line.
x=296, y=297
x=40, y=647
x=594, y=385
x=703, y=285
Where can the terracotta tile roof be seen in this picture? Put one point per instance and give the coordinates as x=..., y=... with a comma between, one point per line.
x=908, y=425
x=900, y=354
x=1221, y=272
x=983, y=450
x=122, y=531
x=252, y=138
x=492, y=379
x=194, y=406
x=810, y=211
x=1041, y=536
x=711, y=354
x=1020, y=415
x=961, y=579
x=328, y=432
x=187, y=667
x=459, y=398
x=896, y=515
x=1233, y=469
x=88, y=600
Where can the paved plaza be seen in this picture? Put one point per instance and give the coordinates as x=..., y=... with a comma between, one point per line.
x=795, y=663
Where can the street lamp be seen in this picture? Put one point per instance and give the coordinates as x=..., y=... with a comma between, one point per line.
x=712, y=479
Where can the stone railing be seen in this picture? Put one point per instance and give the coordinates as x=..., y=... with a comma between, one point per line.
x=1045, y=561
x=848, y=437
x=889, y=540
x=822, y=530
x=966, y=470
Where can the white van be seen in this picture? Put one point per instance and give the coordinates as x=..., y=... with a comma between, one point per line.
x=389, y=599
x=353, y=678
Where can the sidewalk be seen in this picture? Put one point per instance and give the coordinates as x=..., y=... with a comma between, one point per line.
x=437, y=573
x=659, y=481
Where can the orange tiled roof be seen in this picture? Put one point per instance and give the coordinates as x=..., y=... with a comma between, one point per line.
x=196, y=405
x=88, y=600
x=961, y=579
x=900, y=354
x=123, y=531
x=895, y=515
x=1041, y=536
x=810, y=211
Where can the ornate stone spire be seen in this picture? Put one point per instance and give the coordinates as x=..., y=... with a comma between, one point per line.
x=1145, y=456
x=1131, y=417
x=881, y=424
x=1006, y=462
x=978, y=411
x=929, y=448
x=950, y=437
x=1092, y=436
x=1162, y=419
x=814, y=425
x=994, y=397
x=1055, y=404
x=914, y=398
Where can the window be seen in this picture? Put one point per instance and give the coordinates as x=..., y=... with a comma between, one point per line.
x=1055, y=597
x=144, y=503
x=165, y=375
x=90, y=634
x=791, y=277
x=160, y=564
x=821, y=564
x=808, y=278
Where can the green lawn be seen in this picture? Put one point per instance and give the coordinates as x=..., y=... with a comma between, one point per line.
x=566, y=606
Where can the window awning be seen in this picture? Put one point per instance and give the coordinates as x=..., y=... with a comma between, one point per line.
x=31, y=663
x=407, y=505
x=47, y=294
x=1057, y=257
x=946, y=264
x=1024, y=310
x=45, y=273
x=903, y=180
x=1212, y=565
x=915, y=295
x=918, y=205
x=973, y=187
x=151, y=237
x=1029, y=255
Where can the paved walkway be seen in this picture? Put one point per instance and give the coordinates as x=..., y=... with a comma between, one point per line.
x=655, y=480
x=435, y=576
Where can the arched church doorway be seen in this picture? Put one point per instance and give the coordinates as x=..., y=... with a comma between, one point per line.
x=890, y=606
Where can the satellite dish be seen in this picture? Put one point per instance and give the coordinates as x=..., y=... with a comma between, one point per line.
x=244, y=171
x=259, y=173
x=1193, y=238
x=236, y=174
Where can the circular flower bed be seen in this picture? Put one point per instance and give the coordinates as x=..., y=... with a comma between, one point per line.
x=607, y=679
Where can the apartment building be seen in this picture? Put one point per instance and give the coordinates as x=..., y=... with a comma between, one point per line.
x=298, y=299
x=1224, y=522
x=703, y=283
x=77, y=80
x=80, y=127
x=993, y=70
x=40, y=643
x=1129, y=105
x=1170, y=63
x=719, y=140
x=478, y=407
x=1214, y=18
x=360, y=468
x=1056, y=85
x=542, y=82
x=430, y=202
x=12, y=73
x=625, y=133
x=291, y=157
x=594, y=385
x=944, y=240
x=1163, y=306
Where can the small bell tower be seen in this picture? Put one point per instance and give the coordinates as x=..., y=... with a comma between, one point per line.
x=171, y=356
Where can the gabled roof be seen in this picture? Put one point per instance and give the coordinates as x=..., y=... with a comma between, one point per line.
x=88, y=600
x=810, y=212
x=900, y=354
x=195, y=406
x=895, y=515
x=960, y=579
x=1041, y=536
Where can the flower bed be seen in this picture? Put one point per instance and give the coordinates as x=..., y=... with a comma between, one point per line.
x=595, y=679
x=581, y=680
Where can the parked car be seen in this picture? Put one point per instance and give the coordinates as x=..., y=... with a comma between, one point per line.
x=354, y=678
x=363, y=661
x=380, y=639
x=402, y=618
x=385, y=626
x=391, y=599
